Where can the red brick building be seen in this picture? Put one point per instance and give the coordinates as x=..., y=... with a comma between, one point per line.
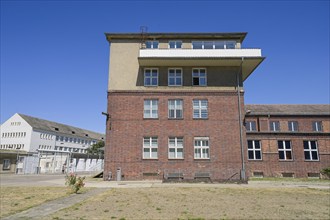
x=287, y=140
x=176, y=107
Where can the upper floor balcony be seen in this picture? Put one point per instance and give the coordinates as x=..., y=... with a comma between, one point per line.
x=249, y=59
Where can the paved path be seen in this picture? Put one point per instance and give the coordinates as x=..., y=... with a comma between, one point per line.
x=48, y=208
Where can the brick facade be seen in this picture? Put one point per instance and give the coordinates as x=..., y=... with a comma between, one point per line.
x=298, y=166
x=128, y=127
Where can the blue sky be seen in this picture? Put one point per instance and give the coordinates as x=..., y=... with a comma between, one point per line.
x=54, y=55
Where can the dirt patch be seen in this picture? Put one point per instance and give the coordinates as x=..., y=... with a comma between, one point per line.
x=202, y=203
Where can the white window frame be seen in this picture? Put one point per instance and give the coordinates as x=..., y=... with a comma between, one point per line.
x=273, y=125
x=198, y=75
x=249, y=126
x=151, y=77
x=310, y=150
x=175, y=108
x=285, y=149
x=317, y=126
x=293, y=126
x=175, y=77
x=200, y=109
x=175, y=44
x=254, y=149
x=148, y=112
x=175, y=147
x=150, y=147
x=203, y=148
x=152, y=45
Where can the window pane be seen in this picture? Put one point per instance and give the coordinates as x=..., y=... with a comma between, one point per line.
x=178, y=44
x=197, y=153
x=197, y=45
x=178, y=81
x=314, y=155
x=258, y=155
x=230, y=44
x=287, y=144
x=172, y=142
x=281, y=155
x=280, y=144
x=257, y=145
x=306, y=145
x=172, y=44
x=146, y=152
x=154, y=142
x=307, y=156
x=250, y=153
x=208, y=45
x=313, y=144
x=171, y=81
x=219, y=45
x=179, y=113
x=250, y=145
x=179, y=142
x=288, y=155
x=171, y=153
x=180, y=153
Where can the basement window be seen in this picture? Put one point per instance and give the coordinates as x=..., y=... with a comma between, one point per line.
x=258, y=174
x=314, y=175
x=288, y=175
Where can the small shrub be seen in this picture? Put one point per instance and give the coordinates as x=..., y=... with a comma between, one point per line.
x=74, y=182
x=326, y=172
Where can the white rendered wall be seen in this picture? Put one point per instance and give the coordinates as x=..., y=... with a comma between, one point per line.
x=42, y=140
x=16, y=124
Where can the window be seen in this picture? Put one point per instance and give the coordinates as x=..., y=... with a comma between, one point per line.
x=152, y=44
x=317, y=125
x=213, y=44
x=150, y=148
x=199, y=77
x=151, y=77
x=175, y=148
x=200, y=109
x=175, y=44
x=175, y=108
x=293, y=125
x=310, y=150
x=254, y=150
x=6, y=164
x=274, y=126
x=175, y=77
x=150, y=108
x=284, y=150
x=201, y=148
x=251, y=126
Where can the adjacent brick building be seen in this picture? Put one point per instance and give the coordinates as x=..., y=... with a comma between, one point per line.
x=176, y=108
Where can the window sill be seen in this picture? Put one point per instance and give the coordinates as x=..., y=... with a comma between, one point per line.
x=175, y=158
x=175, y=118
x=255, y=160
x=149, y=158
x=312, y=160
x=150, y=118
x=200, y=118
x=202, y=159
x=282, y=160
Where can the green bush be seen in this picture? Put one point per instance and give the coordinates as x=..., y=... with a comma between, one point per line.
x=74, y=182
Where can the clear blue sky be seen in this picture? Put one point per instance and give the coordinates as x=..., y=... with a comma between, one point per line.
x=54, y=55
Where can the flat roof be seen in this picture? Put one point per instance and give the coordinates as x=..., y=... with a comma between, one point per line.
x=198, y=35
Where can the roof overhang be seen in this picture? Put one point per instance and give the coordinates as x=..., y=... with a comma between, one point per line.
x=249, y=64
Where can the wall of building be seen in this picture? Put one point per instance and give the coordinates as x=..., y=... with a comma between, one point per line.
x=125, y=139
x=16, y=134
x=271, y=165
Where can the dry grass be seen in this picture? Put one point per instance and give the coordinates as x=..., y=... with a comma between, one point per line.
x=16, y=199
x=202, y=203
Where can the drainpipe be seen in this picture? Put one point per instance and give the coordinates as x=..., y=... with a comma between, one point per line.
x=243, y=173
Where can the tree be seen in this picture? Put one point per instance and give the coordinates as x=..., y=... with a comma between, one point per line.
x=96, y=149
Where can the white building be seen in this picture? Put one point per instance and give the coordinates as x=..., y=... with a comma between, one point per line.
x=33, y=145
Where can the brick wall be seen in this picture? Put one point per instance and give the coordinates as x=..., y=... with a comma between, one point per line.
x=124, y=142
x=271, y=165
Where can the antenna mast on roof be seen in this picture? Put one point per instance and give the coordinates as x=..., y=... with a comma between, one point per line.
x=143, y=31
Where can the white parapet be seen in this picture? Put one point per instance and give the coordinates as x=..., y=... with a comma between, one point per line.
x=207, y=53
